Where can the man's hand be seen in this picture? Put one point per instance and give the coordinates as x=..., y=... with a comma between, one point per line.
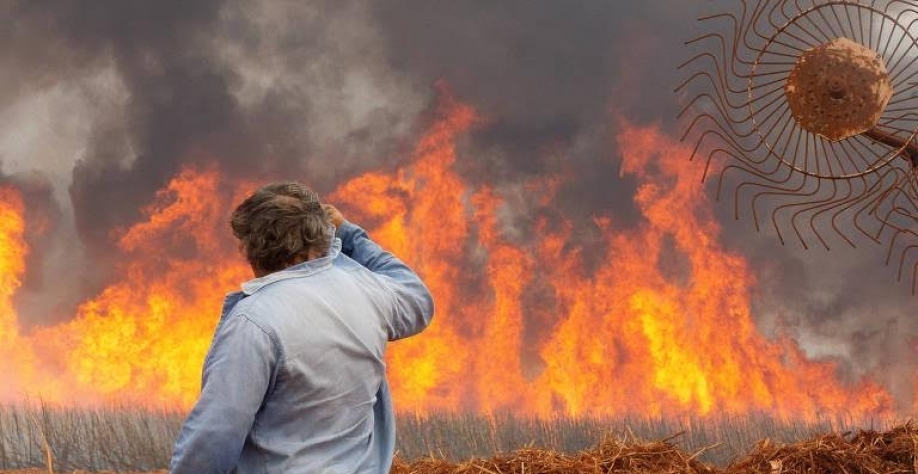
x=334, y=215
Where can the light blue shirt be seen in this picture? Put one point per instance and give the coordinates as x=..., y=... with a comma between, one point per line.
x=294, y=381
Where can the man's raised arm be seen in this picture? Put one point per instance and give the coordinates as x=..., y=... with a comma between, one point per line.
x=414, y=304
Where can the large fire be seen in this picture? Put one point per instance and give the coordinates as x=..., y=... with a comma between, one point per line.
x=655, y=322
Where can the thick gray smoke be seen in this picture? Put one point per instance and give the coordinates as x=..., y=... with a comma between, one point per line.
x=109, y=100
x=102, y=102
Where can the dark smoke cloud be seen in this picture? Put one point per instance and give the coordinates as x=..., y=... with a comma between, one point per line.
x=183, y=74
x=44, y=237
x=546, y=76
x=41, y=218
x=176, y=98
x=543, y=72
x=182, y=105
x=324, y=90
x=841, y=303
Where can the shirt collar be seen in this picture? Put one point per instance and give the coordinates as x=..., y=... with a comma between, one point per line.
x=299, y=270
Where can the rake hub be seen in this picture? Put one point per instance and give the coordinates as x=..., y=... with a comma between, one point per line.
x=838, y=89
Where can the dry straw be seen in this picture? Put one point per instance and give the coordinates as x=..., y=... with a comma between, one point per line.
x=609, y=456
x=890, y=452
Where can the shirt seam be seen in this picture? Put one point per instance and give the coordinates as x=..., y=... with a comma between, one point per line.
x=271, y=336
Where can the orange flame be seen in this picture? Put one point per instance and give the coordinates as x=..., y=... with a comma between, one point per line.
x=12, y=261
x=637, y=336
x=143, y=339
x=663, y=326
x=634, y=336
x=14, y=360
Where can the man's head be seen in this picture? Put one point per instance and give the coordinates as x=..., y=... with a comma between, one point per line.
x=280, y=225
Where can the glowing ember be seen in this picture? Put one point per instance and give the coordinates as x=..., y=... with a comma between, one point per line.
x=640, y=334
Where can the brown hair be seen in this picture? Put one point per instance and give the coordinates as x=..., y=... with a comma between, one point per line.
x=279, y=225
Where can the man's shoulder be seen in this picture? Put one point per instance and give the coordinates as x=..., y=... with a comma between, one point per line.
x=343, y=262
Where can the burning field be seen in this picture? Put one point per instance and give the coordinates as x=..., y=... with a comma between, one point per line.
x=530, y=319
x=631, y=336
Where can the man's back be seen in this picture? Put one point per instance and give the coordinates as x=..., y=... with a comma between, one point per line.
x=328, y=324
x=295, y=380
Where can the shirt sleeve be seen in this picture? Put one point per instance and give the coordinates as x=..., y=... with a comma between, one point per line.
x=238, y=372
x=414, y=306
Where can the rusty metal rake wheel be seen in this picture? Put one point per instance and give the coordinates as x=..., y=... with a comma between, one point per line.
x=808, y=111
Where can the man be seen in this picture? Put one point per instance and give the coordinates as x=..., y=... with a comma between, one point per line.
x=294, y=381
